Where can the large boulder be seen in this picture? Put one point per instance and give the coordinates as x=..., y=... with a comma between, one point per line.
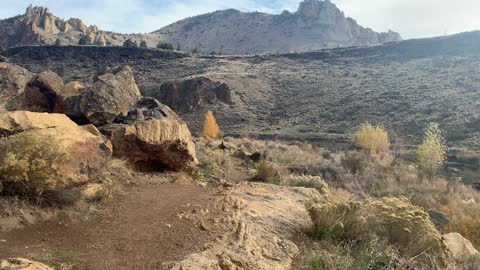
x=22, y=264
x=186, y=96
x=159, y=143
x=87, y=150
x=13, y=80
x=458, y=246
x=42, y=91
x=111, y=95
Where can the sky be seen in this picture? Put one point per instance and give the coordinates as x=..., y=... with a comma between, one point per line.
x=411, y=18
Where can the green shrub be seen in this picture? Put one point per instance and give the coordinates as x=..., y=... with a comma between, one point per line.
x=29, y=162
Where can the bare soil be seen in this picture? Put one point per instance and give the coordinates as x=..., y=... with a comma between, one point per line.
x=144, y=227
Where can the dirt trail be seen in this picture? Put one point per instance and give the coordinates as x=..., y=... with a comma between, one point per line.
x=144, y=227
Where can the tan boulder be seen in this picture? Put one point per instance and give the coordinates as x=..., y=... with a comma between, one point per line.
x=13, y=80
x=69, y=99
x=22, y=264
x=459, y=246
x=162, y=143
x=88, y=151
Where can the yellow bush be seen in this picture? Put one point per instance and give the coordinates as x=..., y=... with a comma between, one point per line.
x=211, y=128
x=28, y=163
x=432, y=153
x=373, y=139
x=403, y=225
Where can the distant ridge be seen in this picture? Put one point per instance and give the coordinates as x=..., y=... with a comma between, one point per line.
x=315, y=25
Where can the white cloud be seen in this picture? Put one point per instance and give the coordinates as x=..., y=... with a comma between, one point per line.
x=412, y=18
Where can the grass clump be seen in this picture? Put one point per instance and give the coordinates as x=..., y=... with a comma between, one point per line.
x=29, y=164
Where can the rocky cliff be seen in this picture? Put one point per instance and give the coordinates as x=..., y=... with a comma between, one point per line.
x=39, y=26
x=316, y=24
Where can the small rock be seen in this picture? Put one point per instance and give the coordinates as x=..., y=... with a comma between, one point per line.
x=256, y=157
x=438, y=218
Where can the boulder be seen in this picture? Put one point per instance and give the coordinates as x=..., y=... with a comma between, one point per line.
x=42, y=91
x=186, y=96
x=22, y=264
x=69, y=102
x=3, y=59
x=111, y=95
x=438, y=218
x=13, y=80
x=87, y=150
x=164, y=143
x=458, y=246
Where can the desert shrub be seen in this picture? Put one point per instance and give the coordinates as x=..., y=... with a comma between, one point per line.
x=432, y=153
x=165, y=46
x=371, y=253
x=211, y=129
x=402, y=224
x=28, y=163
x=353, y=162
x=307, y=181
x=143, y=44
x=373, y=139
x=266, y=171
x=468, y=228
x=129, y=43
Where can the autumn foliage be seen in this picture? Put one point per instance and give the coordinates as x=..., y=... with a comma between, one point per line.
x=432, y=153
x=373, y=139
x=211, y=129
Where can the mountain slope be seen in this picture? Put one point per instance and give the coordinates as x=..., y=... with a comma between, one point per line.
x=316, y=25
x=316, y=95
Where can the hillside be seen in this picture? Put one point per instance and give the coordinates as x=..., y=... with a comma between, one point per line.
x=316, y=24
x=318, y=95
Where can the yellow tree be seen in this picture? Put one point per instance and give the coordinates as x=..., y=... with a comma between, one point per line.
x=211, y=128
x=373, y=139
x=432, y=153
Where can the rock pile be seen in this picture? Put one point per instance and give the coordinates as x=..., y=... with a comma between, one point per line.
x=141, y=129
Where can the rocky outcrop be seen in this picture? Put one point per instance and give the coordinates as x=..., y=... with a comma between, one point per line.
x=458, y=246
x=13, y=80
x=317, y=24
x=88, y=151
x=267, y=217
x=186, y=96
x=22, y=264
x=39, y=26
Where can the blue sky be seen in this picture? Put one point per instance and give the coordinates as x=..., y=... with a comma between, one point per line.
x=412, y=18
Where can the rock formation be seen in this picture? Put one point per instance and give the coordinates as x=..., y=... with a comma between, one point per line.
x=88, y=150
x=153, y=134
x=39, y=26
x=186, y=96
x=141, y=128
x=317, y=24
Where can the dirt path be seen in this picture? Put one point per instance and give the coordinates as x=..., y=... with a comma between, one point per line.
x=144, y=227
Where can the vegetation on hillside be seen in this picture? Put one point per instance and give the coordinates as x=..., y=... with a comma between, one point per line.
x=211, y=128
